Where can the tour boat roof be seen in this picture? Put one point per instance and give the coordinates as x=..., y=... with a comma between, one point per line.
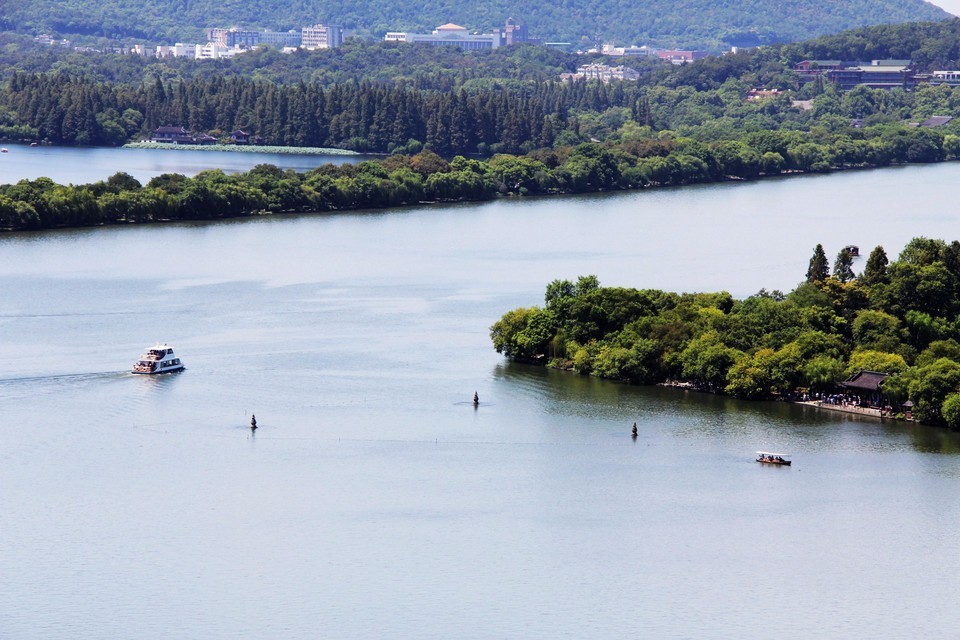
x=771, y=453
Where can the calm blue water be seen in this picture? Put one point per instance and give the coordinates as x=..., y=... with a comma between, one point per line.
x=83, y=165
x=376, y=502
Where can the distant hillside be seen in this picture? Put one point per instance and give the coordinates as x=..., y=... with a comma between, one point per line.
x=688, y=23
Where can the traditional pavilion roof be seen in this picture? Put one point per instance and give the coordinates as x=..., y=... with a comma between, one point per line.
x=936, y=121
x=865, y=380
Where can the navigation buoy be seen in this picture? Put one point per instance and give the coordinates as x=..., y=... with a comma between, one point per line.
x=476, y=399
x=634, y=431
x=253, y=422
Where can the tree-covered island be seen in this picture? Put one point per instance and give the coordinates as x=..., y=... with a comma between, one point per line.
x=899, y=318
x=401, y=179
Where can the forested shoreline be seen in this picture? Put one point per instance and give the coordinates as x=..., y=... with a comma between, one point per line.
x=386, y=98
x=426, y=177
x=532, y=134
x=899, y=318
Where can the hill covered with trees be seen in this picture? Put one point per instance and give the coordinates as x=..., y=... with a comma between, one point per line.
x=694, y=23
x=383, y=97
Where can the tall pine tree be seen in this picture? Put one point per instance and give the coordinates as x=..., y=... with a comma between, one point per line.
x=843, y=266
x=819, y=267
x=875, y=270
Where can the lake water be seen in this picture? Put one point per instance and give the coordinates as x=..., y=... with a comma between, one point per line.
x=82, y=165
x=376, y=502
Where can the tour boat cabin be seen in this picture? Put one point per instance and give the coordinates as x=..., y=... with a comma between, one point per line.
x=158, y=359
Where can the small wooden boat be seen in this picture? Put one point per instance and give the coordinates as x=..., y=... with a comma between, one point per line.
x=768, y=457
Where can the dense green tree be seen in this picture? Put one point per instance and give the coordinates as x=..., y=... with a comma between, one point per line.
x=877, y=330
x=871, y=360
x=929, y=387
x=951, y=410
x=939, y=349
x=875, y=271
x=558, y=291
x=504, y=331
x=707, y=360
x=822, y=373
x=923, y=287
x=819, y=268
x=637, y=363
x=750, y=376
x=17, y=214
x=843, y=266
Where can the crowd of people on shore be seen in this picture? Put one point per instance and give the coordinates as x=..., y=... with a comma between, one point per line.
x=834, y=401
x=843, y=400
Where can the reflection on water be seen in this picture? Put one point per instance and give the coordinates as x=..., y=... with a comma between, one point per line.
x=678, y=413
x=932, y=440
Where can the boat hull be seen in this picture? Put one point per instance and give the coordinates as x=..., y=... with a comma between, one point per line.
x=156, y=373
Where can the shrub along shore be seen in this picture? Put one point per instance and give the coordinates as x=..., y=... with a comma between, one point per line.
x=898, y=318
x=399, y=180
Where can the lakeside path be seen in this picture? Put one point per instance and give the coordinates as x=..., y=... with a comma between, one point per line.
x=861, y=411
x=816, y=404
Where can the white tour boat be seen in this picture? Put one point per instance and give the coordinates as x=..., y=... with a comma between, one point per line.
x=158, y=359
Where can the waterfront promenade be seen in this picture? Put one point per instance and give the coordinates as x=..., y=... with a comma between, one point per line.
x=848, y=408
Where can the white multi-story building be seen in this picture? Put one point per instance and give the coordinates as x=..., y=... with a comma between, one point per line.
x=280, y=39
x=945, y=76
x=319, y=36
x=208, y=51
x=322, y=36
x=217, y=35
x=611, y=50
x=601, y=72
x=452, y=35
x=179, y=50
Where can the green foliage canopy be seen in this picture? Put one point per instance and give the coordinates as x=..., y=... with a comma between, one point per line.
x=765, y=346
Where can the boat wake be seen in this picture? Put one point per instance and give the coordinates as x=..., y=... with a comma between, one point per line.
x=71, y=377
